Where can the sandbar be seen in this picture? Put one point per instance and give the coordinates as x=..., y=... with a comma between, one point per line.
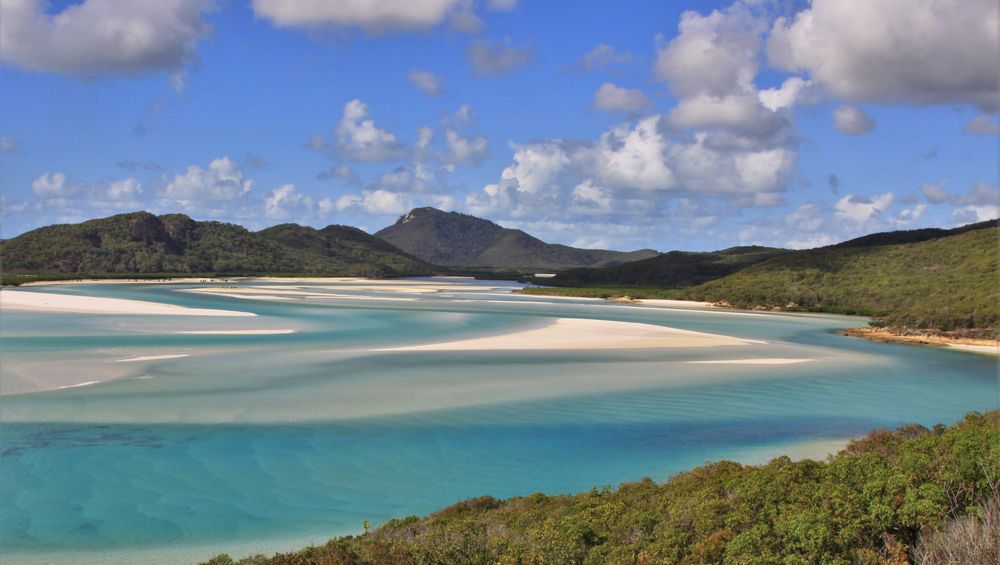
x=984, y=349
x=153, y=357
x=773, y=361
x=70, y=303
x=584, y=334
x=237, y=332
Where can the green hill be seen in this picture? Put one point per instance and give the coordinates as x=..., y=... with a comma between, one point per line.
x=460, y=240
x=889, y=498
x=140, y=242
x=945, y=280
x=673, y=269
x=946, y=283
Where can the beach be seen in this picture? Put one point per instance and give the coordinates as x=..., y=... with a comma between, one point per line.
x=75, y=304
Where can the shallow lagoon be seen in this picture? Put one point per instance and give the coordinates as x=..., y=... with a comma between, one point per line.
x=268, y=442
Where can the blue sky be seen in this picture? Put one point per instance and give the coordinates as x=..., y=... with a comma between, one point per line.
x=670, y=125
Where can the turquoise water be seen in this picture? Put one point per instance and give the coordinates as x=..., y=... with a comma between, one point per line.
x=268, y=442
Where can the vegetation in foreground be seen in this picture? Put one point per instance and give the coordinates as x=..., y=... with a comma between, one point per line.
x=924, y=280
x=913, y=495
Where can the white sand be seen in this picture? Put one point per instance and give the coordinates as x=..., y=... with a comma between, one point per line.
x=984, y=349
x=237, y=332
x=680, y=303
x=573, y=333
x=68, y=303
x=153, y=357
x=773, y=361
x=77, y=385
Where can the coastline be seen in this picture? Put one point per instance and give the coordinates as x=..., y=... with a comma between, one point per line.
x=883, y=335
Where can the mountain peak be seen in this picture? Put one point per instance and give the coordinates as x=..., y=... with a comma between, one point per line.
x=456, y=239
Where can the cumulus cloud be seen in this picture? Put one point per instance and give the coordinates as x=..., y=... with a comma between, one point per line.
x=604, y=55
x=860, y=210
x=713, y=55
x=380, y=202
x=631, y=164
x=370, y=16
x=286, y=202
x=425, y=81
x=360, y=139
x=851, y=120
x=221, y=183
x=98, y=38
x=981, y=203
x=895, y=51
x=613, y=98
x=51, y=185
x=54, y=192
x=935, y=193
x=983, y=124
x=465, y=149
x=493, y=58
x=794, y=90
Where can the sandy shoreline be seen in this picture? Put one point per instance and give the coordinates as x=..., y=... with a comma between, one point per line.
x=881, y=335
x=584, y=334
x=69, y=303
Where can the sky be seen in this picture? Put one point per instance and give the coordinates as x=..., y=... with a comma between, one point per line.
x=623, y=125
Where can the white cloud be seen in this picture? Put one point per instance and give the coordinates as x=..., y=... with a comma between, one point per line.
x=794, y=90
x=286, y=201
x=51, y=185
x=382, y=202
x=739, y=112
x=604, y=55
x=714, y=55
x=222, y=182
x=102, y=37
x=465, y=149
x=492, y=58
x=613, y=98
x=633, y=157
x=984, y=124
x=851, y=120
x=935, y=193
x=371, y=16
x=359, y=138
x=981, y=203
x=424, y=81
x=895, y=51
x=860, y=210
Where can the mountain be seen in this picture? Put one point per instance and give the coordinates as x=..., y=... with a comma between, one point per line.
x=886, y=497
x=459, y=240
x=141, y=242
x=672, y=269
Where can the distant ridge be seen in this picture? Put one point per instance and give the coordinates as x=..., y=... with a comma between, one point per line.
x=141, y=242
x=460, y=240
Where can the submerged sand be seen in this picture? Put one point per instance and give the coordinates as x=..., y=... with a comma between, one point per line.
x=75, y=304
x=575, y=334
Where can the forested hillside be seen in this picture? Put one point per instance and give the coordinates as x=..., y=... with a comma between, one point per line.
x=944, y=280
x=892, y=498
x=143, y=243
